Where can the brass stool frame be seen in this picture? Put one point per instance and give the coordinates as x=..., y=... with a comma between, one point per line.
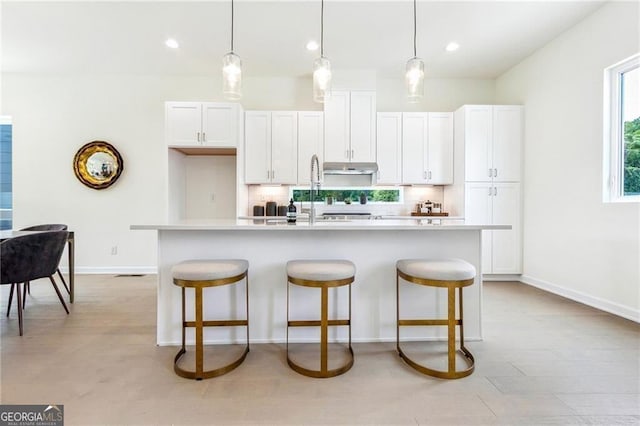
x=324, y=323
x=451, y=322
x=199, y=325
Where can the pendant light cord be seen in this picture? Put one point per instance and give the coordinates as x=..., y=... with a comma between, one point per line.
x=231, y=26
x=322, y=29
x=414, y=28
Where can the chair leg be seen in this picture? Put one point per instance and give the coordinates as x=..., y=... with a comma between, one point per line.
x=18, y=295
x=64, y=283
x=13, y=286
x=64, y=305
x=25, y=286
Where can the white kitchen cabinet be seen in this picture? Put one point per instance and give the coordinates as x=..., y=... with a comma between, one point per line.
x=271, y=147
x=202, y=124
x=389, y=147
x=493, y=142
x=427, y=148
x=310, y=142
x=350, y=126
x=497, y=203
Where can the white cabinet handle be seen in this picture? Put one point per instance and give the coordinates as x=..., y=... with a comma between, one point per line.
x=198, y=136
x=490, y=172
x=429, y=174
x=346, y=154
x=424, y=175
x=273, y=174
x=495, y=191
x=204, y=138
x=268, y=174
x=495, y=172
x=353, y=153
x=490, y=192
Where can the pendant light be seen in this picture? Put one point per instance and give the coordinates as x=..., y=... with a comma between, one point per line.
x=414, y=77
x=232, y=71
x=321, y=67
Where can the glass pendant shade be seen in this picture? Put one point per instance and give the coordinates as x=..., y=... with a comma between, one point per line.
x=231, y=76
x=414, y=79
x=321, y=79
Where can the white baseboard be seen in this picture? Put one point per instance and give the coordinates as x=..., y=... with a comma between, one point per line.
x=113, y=270
x=283, y=341
x=578, y=296
x=501, y=277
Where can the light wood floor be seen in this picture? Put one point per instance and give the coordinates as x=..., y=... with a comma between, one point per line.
x=544, y=360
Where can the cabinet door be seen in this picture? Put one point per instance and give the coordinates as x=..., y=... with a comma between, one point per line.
x=284, y=147
x=336, y=127
x=507, y=143
x=389, y=147
x=440, y=148
x=310, y=141
x=183, y=123
x=506, y=244
x=414, y=138
x=478, y=199
x=363, y=126
x=478, y=136
x=220, y=124
x=257, y=137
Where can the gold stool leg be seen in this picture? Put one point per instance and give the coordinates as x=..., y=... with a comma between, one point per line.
x=451, y=329
x=324, y=323
x=199, y=332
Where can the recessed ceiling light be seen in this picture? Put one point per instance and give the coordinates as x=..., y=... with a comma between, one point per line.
x=172, y=43
x=312, y=45
x=452, y=47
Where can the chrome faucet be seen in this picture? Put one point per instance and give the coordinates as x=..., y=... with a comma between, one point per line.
x=315, y=163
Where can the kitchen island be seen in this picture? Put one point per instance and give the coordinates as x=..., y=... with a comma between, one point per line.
x=374, y=246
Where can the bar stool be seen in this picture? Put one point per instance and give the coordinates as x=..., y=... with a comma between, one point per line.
x=200, y=274
x=321, y=274
x=451, y=274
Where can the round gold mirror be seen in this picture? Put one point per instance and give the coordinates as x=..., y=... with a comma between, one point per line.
x=98, y=164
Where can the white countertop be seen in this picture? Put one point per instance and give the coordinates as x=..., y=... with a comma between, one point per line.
x=351, y=225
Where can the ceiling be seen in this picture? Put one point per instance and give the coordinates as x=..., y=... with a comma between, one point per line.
x=270, y=36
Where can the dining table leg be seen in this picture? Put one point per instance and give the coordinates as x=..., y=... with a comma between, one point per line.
x=71, y=245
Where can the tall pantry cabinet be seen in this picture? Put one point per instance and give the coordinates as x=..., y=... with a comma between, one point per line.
x=492, y=139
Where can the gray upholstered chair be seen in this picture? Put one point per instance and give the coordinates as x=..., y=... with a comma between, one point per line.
x=45, y=227
x=30, y=257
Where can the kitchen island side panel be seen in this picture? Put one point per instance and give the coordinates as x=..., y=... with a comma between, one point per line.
x=374, y=253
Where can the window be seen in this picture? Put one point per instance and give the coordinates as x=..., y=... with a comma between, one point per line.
x=621, y=180
x=6, y=187
x=349, y=195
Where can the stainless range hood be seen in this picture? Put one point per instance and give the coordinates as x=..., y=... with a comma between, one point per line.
x=331, y=168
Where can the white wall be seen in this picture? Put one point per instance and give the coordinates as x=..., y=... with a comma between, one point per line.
x=55, y=114
x=574, y=244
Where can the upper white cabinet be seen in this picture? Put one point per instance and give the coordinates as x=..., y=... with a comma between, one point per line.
x=389, y=148
x=271, y=147
x=493, y=142
x=350, y=126
x=427, y=148
x=201, y=124
x=310, y=142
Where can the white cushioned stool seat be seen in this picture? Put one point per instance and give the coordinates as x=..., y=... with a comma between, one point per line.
x=437, y=269
x=206, y=270
x=321, y=270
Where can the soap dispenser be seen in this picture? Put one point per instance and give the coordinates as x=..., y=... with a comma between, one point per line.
x=291, y=212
